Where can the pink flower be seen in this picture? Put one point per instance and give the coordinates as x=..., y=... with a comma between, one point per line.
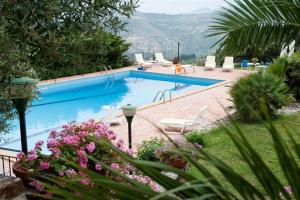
x=146, y=180
x=199, y=146
x=90, y=147
x=98, y=167
x=85, y=181
x=32, y=157
x=38, y=186
x=82, y=158
x=53, y=134
x=83, y=174
x=38, y=145
x=31, y=152
x=288, y=189
x=44, y=165
x=20, y=155
x=60, y=173
x=56, y=152
x=155, y=187
x=112, y=137
x=71, y=140
x=115, y=166
x=71, y=173
x=120, y=144
x=130, y=152
x=83, y=164
x=52, y=143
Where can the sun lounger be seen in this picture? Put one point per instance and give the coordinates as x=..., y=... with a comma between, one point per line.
x=140, y=61
x=228, y=64
x=182, y=124
x=159, y=58
x=210, y=63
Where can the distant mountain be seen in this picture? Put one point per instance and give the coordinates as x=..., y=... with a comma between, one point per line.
x=161, y=32
x=202, y=10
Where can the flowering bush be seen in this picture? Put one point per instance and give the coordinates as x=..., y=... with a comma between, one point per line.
x=77, y=144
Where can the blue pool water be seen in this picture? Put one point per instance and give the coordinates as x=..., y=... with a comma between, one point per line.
x=83, y=99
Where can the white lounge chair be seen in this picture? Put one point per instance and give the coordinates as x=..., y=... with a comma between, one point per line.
x=210, y=63
x=228, y=64
x=140, y=61
x=159, y=58
x=180, y=125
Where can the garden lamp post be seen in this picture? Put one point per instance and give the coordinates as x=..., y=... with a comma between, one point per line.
x=178, y=51
x=20, y=91
x=129, y=111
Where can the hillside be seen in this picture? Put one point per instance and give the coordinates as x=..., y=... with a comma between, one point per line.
x=161, y=32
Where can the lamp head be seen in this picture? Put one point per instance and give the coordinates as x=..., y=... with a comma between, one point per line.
x=129, y=110
x=20, y=88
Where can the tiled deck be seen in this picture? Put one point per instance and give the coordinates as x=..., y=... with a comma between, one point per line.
x=215, y=97
x=188, y=105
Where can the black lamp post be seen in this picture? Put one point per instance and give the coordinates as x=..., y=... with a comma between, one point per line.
x=20, y=91
x=178, y=51
x=129, y=111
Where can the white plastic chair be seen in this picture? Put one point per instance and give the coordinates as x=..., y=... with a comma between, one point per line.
x=210, y=63
x=182, y=124
x=140, y=60
x=228, y=64
x=159, y=58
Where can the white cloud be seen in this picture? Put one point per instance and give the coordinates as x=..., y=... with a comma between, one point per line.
x=177, y=6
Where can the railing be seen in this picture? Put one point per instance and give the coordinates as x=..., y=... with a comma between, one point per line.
x=163, y=95
x=6, y=163
x=110, y=73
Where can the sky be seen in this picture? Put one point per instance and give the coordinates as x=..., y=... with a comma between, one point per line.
x=177, y=6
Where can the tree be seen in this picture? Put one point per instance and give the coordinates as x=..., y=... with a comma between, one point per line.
x=52, y=33
x=57, y=38
x=255, y=24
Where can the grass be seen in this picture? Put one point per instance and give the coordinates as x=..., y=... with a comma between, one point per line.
x=219, y=144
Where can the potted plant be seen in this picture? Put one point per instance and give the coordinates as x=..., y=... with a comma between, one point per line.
x=75, y=143
x=175, y=61
x=172, y=155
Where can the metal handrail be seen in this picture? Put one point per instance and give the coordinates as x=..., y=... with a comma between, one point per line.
x=159, y=92
x=163, y=94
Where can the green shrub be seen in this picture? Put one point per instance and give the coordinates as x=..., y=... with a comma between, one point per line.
x=292, y=74
x=278, y=67
x=254, y=60
x=195, y=138
x=146, y=151
x=200, y=62
x=248, y=93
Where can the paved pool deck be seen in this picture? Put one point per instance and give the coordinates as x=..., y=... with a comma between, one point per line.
x=146, y=123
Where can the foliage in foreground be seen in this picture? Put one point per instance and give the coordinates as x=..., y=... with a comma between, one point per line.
x=251, y=26
x=187, y=186
x=249, y=91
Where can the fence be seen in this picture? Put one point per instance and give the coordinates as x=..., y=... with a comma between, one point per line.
x=7, y=161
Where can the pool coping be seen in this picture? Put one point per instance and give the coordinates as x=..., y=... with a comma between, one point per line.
x=128, y=69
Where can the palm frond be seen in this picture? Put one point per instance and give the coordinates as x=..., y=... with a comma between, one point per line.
x=256, y=23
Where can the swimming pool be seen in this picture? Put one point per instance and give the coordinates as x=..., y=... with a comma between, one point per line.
x=80, y=100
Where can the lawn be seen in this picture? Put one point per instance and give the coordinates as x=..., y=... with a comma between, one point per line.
x=219, y=144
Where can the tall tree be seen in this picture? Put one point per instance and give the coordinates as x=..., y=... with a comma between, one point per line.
x=255, y=24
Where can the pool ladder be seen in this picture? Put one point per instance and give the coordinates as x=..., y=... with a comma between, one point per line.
x=109, y=71
x=162, y=95
x=110, y=76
